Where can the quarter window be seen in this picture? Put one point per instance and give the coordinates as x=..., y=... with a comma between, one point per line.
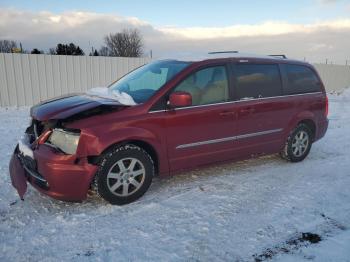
x=206, y=86
x=256, y=81
x=301, y=79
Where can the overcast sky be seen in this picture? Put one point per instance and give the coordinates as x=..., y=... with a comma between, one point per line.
x=314, y=29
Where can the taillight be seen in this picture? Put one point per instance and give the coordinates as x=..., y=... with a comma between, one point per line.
x=326, y=107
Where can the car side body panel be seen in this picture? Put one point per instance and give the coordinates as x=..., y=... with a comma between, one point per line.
x=309, y=107
x=199, y=135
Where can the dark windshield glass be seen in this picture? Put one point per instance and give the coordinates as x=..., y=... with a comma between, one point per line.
x=143, y=82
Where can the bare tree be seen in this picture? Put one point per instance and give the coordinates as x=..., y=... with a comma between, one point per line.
x=128, y=43
x=7, y=46
x=52, y=51
x=104, y=51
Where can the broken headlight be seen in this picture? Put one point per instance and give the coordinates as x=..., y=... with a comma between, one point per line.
x=66, y=141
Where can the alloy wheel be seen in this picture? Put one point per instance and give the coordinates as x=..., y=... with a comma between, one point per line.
x=125, y=177
x=300, y=143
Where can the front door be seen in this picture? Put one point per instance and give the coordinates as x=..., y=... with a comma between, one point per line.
x=202, y=133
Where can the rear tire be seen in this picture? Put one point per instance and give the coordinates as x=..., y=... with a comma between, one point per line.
x=124, y=175
x=298, y=144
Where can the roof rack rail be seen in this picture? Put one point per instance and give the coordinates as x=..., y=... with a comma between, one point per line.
x=282, y=56
x=222, y=52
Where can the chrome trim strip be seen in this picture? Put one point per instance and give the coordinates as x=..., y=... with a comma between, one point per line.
x=221, y=103
x=261, y=133
x=34, y=175
x=237, y=101
x=214, y=141
x=156, y=111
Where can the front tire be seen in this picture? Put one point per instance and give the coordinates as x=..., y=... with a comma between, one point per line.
x=298, y=144
x=124, y=175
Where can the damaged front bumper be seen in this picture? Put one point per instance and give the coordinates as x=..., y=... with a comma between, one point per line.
x=61, y=176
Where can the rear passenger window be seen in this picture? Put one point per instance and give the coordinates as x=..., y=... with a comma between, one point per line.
x=257, y=81
x=301, y=79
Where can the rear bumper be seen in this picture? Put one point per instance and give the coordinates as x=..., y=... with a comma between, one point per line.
x=321, y=129
x=57, y=175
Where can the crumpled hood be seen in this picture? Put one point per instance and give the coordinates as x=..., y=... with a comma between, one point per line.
x=66, y=106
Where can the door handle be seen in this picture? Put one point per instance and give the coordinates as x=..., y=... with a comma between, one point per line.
x=227, y=113
x=248, y=110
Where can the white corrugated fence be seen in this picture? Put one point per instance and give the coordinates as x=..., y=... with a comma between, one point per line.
x=334, y=77
x=26, y=79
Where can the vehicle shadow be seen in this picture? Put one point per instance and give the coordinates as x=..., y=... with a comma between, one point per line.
x=161, y=188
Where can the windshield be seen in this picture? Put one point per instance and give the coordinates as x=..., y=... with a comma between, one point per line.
x=143, y=82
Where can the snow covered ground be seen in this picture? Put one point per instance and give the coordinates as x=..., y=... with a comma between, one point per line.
x=259, y=209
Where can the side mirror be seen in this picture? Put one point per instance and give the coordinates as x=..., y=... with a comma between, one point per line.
x=180, y=99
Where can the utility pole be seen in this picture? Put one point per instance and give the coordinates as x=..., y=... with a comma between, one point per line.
x=326, y=61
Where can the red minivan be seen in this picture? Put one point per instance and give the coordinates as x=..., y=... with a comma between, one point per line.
x=168, y=116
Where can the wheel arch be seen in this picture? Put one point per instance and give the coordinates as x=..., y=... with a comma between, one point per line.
x=136, y=142
x=311, y=124
x=149, y=149
x=306, y=117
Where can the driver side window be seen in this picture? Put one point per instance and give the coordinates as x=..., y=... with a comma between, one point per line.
x=206, y=86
